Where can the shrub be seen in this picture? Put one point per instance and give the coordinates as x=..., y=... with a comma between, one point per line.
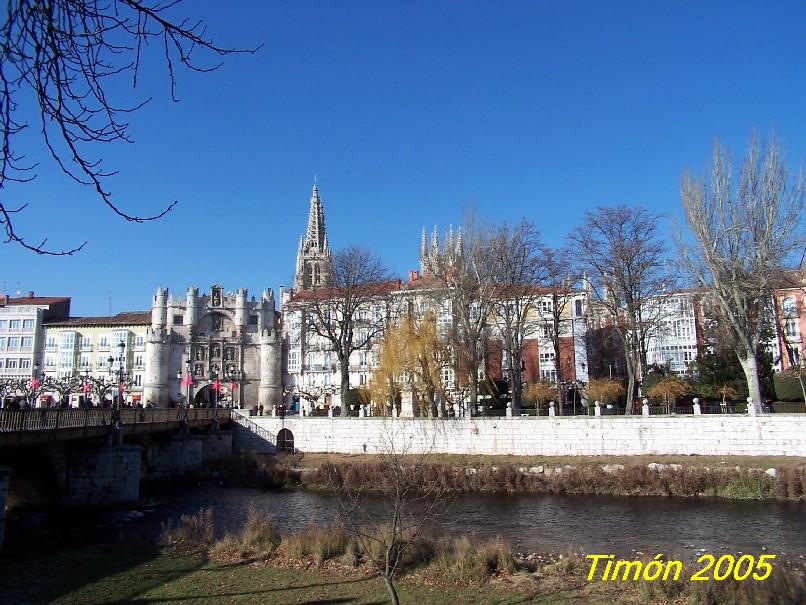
x=194, y=532
x=321, y=543
x=257, y=539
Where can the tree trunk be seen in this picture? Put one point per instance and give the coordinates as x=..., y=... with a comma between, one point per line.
x=750, y=367
x=344, y=366
x=392, y=592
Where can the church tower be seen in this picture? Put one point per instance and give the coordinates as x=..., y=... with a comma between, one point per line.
x=314, y=259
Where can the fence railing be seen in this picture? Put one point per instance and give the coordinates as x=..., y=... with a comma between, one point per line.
x=45, y=419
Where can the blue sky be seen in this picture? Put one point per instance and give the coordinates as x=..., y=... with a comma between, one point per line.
x=409, y=112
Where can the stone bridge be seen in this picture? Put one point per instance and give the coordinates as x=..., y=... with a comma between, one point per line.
x=98, y=457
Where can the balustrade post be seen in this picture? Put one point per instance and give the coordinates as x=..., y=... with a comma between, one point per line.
x=697, y=408
x=509, y=409
x=598, y=409
x=645, y=407
x=751, y=409
x=552, y=411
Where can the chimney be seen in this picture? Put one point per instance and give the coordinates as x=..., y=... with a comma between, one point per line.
x=413, y=276
x=3, y=299
x=30, y=293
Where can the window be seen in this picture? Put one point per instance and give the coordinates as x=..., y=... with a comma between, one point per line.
x=2, y=342
x=120, y=336
x=27, y=324
x=138, y=380
x=14, y=325
x=85, y=361
x=103, y=342
x=3, y=325
x=253, y=320
x=362, y=379
x=86, y=342
x=68, y=340
x=178, y=320
x=11, y=364
x=578, y=308
x=13, y=343
x=139, y=341
x=327, y=380
x=50, y=362
x=50, y=343
x=2, y=363
x=25, y=363
x=66, y=359
x=790, y=328
x=138, y=361
x=550, y=374
x=293, y=361
x=547, y=356
x=788, y=305
x=101, y=361
x=362, y=358
x=27, y=343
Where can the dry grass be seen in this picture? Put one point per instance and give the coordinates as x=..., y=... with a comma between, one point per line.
x=257, y=540
x=628, y=479
x=194, y=533
x=320, y=543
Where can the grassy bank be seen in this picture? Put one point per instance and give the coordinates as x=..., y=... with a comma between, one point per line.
x=323, y=565
x=738, y=478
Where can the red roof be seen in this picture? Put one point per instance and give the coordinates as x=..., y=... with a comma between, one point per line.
x=33, y=300
x=127, y=318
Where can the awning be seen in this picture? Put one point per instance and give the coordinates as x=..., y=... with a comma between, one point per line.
x=136, y=396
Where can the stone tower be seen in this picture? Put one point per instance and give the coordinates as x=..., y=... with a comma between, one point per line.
x=314, y=259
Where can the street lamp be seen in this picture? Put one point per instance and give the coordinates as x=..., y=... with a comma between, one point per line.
x=35, y=382
x=121, y=372
x=85, y=388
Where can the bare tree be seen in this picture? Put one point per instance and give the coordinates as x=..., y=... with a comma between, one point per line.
x=744, y=230
x=412, y=498
x=516, y=264
x=63, y=55
x=350, y=312
x=561, y=281
x=463, y=271
x=622, y=252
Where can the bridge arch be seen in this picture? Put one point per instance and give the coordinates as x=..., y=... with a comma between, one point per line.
x=205, y=397
x=285, y=441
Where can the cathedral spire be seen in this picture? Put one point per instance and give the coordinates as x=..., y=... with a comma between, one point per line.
x=315, y=235
x=314, y=260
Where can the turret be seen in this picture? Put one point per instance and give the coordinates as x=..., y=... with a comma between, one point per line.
x=270, y=390
x=240, y=308
x=159, y=309
x=192, y=307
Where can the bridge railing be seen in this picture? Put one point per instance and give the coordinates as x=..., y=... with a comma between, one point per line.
x=53, y=419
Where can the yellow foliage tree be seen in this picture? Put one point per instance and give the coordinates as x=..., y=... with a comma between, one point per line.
x=540, y=392
x=603, y=390
x=411, y=354
x=669, y=389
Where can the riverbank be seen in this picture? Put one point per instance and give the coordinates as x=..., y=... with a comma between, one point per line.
x=757, y=477
x=257, y=565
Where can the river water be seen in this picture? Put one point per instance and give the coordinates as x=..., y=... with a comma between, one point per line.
x=530, y=523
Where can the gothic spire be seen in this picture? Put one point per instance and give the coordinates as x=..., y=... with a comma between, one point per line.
x=315, y=235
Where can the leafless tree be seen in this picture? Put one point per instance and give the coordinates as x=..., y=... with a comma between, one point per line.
x=64, y=55
x=412, y=498
x=744, y=230
x=465, y=284
x=561, y=281
x=515, y=254
x=349, y=313
x=622, y=253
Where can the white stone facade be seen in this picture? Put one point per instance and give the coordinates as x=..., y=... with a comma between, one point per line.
x=224, y=339
x=706, y=435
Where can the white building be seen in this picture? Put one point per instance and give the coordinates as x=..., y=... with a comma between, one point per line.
x=22, y=333
x=83, y=346
x=675, y=343
x=219, y=347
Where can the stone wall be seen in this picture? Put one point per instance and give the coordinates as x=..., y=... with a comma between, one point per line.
x=771, y=434
x=99, y=476
x=174, y=457
x=5, y=474
x=216, y=446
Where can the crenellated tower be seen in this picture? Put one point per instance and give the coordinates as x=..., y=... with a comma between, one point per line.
x=314, y=258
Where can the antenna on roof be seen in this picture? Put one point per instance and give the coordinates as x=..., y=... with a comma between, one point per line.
x=109, y=293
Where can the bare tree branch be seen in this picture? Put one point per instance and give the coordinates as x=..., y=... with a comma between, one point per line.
x=61, y=54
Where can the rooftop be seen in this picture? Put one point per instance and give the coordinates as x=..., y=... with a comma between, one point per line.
x=127, y=318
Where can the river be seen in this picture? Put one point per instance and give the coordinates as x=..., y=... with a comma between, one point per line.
x=530, y=523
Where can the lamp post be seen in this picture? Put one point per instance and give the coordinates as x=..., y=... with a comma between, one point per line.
x=85, y=388
x=121, y=374
x=35, y=382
